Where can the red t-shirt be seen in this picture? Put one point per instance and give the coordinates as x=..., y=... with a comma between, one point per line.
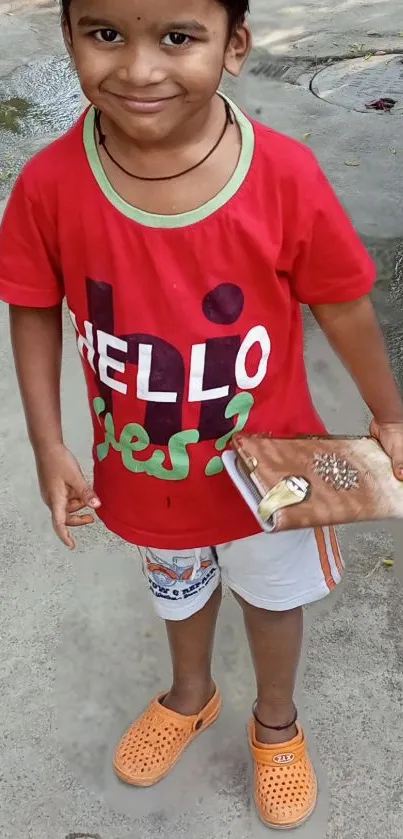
x=189, y=326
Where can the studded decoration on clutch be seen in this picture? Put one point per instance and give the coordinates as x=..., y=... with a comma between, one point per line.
x=335, y=471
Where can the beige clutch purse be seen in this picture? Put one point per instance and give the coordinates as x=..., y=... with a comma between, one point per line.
x=314, y=481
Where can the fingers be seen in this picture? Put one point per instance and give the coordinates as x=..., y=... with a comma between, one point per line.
x=87, y=495
x=393, y=444
x=390, y=436
x=65, y=514
x=397, y=461
x=67, y=493
x=394, y=447
x=59, y=504
x=79, y=521
x=74, y=506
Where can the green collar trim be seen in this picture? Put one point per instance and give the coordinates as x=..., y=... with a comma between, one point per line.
x=181, y=219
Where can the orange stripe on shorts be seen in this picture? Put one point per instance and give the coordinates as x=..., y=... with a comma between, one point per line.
x=324, y=558
x=336, y=551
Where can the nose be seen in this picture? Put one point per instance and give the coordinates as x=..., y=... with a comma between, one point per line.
x=141, y=66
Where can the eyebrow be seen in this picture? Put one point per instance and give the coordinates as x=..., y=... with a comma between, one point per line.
x=94, y=21
x=189, y=25
x=172, y=26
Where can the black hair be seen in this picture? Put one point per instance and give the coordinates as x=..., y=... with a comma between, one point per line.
x=237, y=10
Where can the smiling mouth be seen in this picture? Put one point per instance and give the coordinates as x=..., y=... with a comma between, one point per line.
x=135, y=103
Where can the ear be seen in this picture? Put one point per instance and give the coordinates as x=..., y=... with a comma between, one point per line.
x=238, y=49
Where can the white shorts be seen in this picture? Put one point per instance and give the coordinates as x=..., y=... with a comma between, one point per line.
x=276, y=572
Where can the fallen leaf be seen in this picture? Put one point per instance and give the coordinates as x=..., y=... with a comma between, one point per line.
x=352, y=163
x=388, y=562
x=307, y=135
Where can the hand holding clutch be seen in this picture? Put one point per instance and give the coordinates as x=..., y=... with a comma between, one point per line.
x=291, y=484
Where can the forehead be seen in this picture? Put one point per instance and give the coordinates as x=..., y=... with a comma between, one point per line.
x=149, y=12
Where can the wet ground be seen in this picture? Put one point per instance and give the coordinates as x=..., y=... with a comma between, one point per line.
x=37, y=102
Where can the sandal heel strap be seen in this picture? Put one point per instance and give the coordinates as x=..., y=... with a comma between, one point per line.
x=209, y=714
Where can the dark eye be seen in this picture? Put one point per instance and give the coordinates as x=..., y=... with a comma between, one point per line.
x=176, y=39
x=108, y=36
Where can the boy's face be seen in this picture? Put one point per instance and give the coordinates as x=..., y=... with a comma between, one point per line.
x=149, y=65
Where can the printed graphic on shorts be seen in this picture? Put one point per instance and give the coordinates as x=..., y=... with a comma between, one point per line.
x=218, y=374
x=179, y=577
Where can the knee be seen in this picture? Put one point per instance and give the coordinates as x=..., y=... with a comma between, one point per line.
x=277, y=615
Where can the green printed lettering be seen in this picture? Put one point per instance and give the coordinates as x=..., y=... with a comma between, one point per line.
x=240, y=405
x=99, y=406
x=134, y=438
x=176, y=465
x=179, y=455
x=110, y=437
x=214, y=466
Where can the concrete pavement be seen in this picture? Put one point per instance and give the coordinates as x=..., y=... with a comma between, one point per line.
x=81, y=649
x=308, y=27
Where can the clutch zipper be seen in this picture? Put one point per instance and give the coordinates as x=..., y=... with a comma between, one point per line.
x=258, y=497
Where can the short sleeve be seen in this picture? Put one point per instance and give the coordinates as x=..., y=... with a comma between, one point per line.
x=29, y=271
x=332, y=264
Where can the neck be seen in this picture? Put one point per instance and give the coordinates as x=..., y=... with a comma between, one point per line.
x=189, y=133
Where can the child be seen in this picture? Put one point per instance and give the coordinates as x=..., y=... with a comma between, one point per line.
x=184, y=237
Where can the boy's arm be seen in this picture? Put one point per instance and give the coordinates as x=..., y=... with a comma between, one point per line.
x=354, y=333
x=333, y=274
x=31, y=283
x=36, y=335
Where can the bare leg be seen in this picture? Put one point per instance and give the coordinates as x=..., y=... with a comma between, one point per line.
x=191, y=644
x=275, y=640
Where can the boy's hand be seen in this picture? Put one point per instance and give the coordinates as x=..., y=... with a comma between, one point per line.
x=390, y=436
x=65, y=491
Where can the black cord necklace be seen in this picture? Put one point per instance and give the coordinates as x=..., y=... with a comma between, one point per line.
x=229, y=120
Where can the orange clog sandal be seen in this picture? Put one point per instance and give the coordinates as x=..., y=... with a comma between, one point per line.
x=154, y=743
x=286, y=788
